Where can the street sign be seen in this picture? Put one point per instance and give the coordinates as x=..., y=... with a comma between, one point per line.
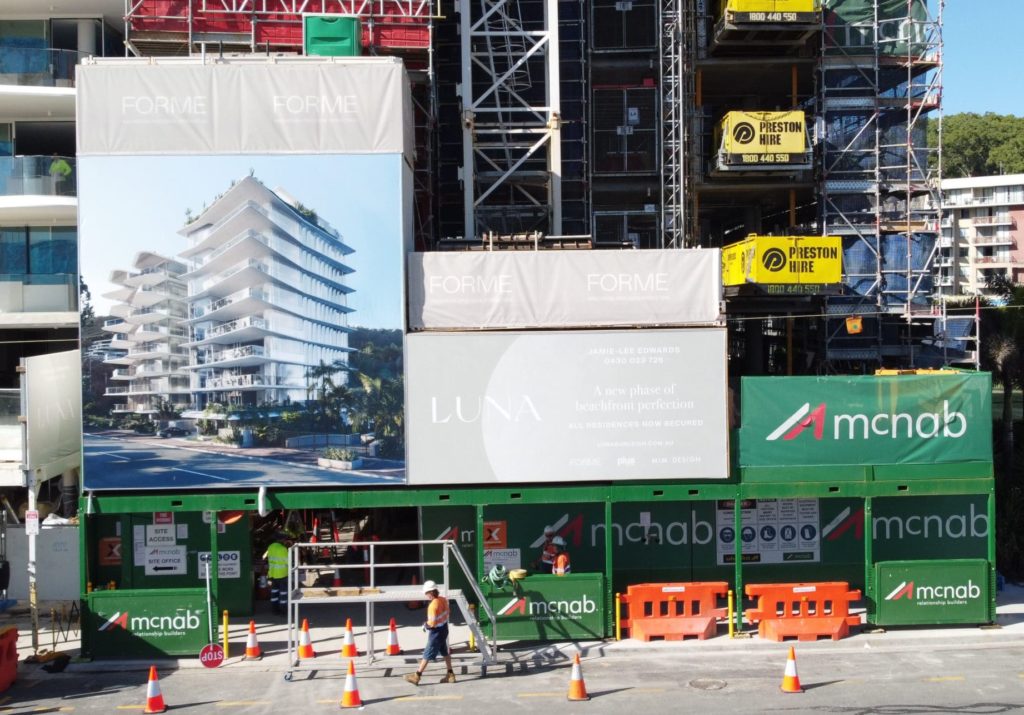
x=211, y=656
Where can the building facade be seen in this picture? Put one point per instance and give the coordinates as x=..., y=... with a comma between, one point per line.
x=266, y=299
x=981, y=234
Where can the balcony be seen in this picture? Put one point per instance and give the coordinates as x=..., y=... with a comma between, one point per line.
x=37, y=66
x=37, y=176
x=244, y=354
x=120, y=408
x=30, y=293
x=235, y=381
x=116, y=391
x=994, y=241
x=985, y=221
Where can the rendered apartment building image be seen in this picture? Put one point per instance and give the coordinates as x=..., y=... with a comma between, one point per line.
x=255, y=299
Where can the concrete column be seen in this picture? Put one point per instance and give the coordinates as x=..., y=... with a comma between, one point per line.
x=87, y=37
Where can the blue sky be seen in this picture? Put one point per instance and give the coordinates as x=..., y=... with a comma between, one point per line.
x=983, y=57
x=137, y=203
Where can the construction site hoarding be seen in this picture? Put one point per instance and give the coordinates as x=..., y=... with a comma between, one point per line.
x=784, y=265
x=244, y=225
x=901, y=419
x=53, y=399
x=932, y=592
x=559, y=407
x=564, y=289
x=902, y=26
x=123, y=623
x=349, y=105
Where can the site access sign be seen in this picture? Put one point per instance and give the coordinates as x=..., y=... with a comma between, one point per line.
x=902, y=419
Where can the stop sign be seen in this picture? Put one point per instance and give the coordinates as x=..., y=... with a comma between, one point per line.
x=211, y=655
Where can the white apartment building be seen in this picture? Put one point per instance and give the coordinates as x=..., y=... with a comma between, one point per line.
x=149, y=323
x=981, y=233
x=267, y=298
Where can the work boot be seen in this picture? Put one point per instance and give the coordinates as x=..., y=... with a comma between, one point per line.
x=413, y=678
x=450, y=678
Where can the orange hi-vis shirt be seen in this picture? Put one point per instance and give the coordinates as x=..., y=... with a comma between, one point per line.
x=562, y=566
x=547, y=556
x=437, y=613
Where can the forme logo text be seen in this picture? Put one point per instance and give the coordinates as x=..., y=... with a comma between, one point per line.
x=926, y=425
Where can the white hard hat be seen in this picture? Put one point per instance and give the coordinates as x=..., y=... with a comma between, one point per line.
x=429, y=586
x=558, y=541
x=548, y=530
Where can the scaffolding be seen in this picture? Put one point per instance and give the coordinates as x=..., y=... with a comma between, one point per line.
x=880, y=79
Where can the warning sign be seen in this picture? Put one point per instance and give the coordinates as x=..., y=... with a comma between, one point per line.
x=774, y=531
x=163, y=535
x=229, y=564
x=495, y=535
x=110, y=551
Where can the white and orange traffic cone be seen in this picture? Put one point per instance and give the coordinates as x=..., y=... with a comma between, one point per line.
x=577, y=688
x=348, y=646
x=305, y=644
x=252, y=646
x=393, y=648
x=336, y=582
x=154, y=698
x=790, y=680
x=350, y=698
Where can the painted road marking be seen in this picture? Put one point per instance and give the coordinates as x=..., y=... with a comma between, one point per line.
x=421, y=698
x=201, y=474
x=243, y=703
x=945, y=678
x=117, y=457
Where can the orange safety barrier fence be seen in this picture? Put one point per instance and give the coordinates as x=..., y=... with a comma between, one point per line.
x=672, y=611
x=805, y=611
x=8, y=657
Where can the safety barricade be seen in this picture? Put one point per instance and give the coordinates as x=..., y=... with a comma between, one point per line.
x=805, y=611
x=8, y=657
x=672, y=611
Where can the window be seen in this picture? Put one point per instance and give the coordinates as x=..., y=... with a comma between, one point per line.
x=13, y=252
x=38, y=250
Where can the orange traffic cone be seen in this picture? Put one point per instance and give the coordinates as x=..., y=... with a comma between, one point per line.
x=791, y=681
x=393, y=648
x=154, y=698
x=305, y=644
x=336, y=582
x=350, y=698
x=252, y=647
x=577, y=688
x=348, y=646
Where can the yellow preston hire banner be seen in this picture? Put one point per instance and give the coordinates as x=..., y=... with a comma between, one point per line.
x=780, y=133
x=788, y=260
x=770, y=5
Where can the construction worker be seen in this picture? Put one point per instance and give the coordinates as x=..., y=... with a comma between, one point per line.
x=437, y=639
x=277, y=571
x=561, y=566
x=546, y=562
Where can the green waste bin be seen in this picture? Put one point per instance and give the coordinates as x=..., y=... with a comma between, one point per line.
x=332, y=36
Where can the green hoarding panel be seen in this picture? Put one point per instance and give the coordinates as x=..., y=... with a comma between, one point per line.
x=907, y=419
x=931, y=592
x=551, y=608
x=332, y=36
x=902, y=26
x=457, y=523
x=137, y=624
x=521, y=528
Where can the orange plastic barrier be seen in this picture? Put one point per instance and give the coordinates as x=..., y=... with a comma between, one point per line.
x=672, y=611
x=8, y=657
x=805, y=611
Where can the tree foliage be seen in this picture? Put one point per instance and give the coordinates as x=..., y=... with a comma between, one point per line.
x=980, y=144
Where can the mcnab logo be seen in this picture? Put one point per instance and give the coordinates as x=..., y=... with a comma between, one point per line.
x=549, y=610
x=927, y=425
x=935, y=594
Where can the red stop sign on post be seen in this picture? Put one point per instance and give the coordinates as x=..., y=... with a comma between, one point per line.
x=211, y=655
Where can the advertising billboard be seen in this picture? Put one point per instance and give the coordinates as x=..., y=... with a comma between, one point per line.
x=905, y=419
x=564, y=289
x=567, y=406
x=243, y=227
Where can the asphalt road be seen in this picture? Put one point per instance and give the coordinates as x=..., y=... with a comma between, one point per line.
x=945, y=677
x=122, y=462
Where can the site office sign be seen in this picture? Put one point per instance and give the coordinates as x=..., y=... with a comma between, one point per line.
x=932, y=592
x=907, y=419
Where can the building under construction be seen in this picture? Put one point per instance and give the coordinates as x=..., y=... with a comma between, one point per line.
x=614, y=124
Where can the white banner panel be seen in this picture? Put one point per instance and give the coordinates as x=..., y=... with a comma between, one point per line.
x=244, y=106
x=54, y=397
x=564, y=289
x=566, y=406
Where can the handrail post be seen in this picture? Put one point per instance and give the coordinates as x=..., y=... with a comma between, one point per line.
x=373, y=566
